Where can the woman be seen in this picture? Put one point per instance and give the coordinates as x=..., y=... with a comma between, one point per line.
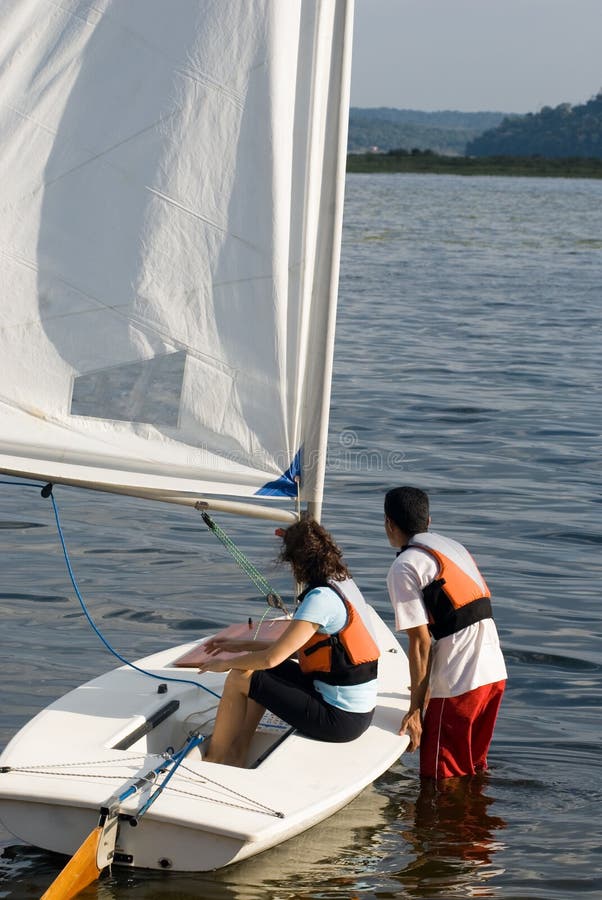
x=330, y=693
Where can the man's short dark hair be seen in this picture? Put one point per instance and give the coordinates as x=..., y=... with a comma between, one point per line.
x=408, y=508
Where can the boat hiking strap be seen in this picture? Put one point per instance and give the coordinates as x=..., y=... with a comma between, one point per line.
x=272, y=597
x=46, y=492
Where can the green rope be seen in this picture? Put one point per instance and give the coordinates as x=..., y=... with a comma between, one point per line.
x=272, y=597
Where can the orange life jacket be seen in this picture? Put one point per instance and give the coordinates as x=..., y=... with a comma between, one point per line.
x=453, y=600
x=348, y=657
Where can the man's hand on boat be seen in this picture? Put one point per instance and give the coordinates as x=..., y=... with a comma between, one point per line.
x=412, y=726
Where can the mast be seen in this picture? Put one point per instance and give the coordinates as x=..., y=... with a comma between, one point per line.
x=345, y=28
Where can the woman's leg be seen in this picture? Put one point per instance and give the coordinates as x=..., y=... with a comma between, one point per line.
x=289, y=694
x=238, y=716
x=235, y=715
x=249, y=727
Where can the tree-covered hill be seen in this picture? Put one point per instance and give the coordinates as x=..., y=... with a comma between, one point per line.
x=563, y=132
x=445, y=132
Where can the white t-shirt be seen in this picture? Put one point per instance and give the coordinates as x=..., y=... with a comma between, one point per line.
x=463, y=661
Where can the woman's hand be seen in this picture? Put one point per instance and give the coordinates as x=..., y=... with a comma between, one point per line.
x=217, y=645
x=215, y=665
x=259, y=655
x=223, y=645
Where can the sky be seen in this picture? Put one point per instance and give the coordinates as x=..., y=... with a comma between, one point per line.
x=474, y=55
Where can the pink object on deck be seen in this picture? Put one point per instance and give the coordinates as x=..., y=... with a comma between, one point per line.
x=270, y=630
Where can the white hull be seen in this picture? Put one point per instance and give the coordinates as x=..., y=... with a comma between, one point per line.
x=209, y=815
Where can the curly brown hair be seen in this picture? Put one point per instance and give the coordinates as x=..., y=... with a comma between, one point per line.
x=312, y=553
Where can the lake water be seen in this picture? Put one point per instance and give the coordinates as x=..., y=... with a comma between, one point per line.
x=467, y=363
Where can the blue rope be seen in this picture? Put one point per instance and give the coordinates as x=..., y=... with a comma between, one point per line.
x=175, y=761
x=97, y=630
x=47, y=492
x=167, y=767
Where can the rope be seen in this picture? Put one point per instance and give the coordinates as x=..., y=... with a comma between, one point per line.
x=260, y=623
x=197, y=780
x=47, y=492
x=272, y=597
x=252, y=805
x=202, y=779
x=46, y=767
x=176, y=760
x=96, y=776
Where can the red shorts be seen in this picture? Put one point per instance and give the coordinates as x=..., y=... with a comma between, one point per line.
x=457, y=731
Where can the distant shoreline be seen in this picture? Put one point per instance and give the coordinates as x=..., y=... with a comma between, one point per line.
x=427, y=162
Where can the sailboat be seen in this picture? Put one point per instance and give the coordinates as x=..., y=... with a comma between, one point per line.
x=173, y=180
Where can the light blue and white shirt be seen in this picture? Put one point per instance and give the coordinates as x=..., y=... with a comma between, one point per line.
x=325, y=608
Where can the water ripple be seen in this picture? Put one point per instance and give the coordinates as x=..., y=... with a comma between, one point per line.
x=468, y=363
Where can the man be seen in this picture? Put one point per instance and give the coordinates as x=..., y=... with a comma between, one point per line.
x=457, y=670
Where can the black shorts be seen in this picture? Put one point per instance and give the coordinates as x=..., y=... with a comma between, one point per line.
x=290, y=694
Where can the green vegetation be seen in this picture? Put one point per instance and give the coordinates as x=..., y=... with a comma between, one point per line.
x=560, y=133
x=428, y=162
x=445, y=132
x=564, y=142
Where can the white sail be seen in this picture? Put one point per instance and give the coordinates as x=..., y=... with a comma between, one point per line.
x=172, y=186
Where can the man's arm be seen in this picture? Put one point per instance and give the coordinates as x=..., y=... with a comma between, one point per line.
x=419, y=656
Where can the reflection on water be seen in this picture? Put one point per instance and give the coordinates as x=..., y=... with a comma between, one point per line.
x=403, y=838
x=453, y=837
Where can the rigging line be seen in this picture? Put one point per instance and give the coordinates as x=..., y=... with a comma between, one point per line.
x=202, y=779
x=259, y=624
x=47, y=492
x=41, y=767
x=252, y=807
x=194, y=741
x=95, y=776
x=272, y=597
x=48, y=769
